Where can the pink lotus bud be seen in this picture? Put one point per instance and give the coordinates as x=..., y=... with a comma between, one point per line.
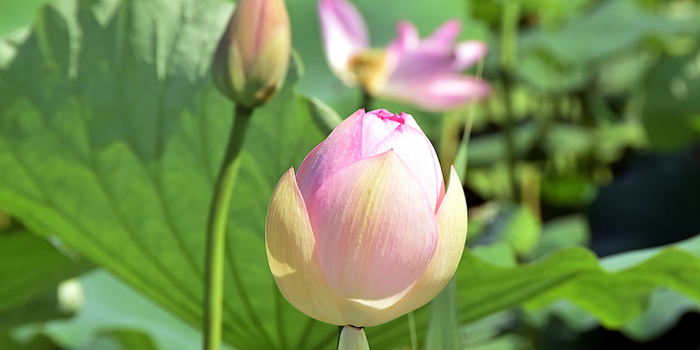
x=252, y=57
x=364, y=232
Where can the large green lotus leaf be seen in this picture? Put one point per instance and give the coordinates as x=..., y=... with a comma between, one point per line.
x=623, y=24
x=17, y=13
x=614, y=290
x=111, y=307
x=30, y=270
x=620, y=290
x=111, y=134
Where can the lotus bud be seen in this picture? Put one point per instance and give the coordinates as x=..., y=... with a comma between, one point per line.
x=252, y=57
x=365, y=232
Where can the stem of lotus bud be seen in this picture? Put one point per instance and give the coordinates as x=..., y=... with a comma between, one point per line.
x=352, y=338
x=216, y=229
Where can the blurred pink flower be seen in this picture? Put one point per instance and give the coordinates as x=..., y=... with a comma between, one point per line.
x=365, y=231
x=421, y=72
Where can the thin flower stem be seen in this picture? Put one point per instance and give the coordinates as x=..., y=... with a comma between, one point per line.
x=366, y=100
x=466, y=135
x=509, y=52
x=508, y=127
x=216, y=230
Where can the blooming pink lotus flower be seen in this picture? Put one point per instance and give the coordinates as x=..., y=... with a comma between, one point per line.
x=422, y=72
x=364, y=232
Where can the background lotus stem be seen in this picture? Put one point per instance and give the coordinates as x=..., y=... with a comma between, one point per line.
x=509, y=52
x=352, y=338
x=216, y=229
x=366, y=100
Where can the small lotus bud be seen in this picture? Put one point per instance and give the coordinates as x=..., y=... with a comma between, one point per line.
x=252, y=57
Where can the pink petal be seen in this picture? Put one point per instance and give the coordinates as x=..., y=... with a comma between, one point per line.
x=436, y=55
x=452, y=228
x=408, y=120
x=436, y=93
x=342, y=147
x=421, y=62
x=292, y=255
x=418, y=154
x=446, y=34
x=430, y=59
x=304, y=167
x=352, y=140
x=467, y=53
x=375, y=231
x=376, y=126
x=407, y=38
x=344, y=33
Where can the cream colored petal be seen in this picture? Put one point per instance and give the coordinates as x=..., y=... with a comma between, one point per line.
x=270, y=66
x=292, y=255
x=452, y=230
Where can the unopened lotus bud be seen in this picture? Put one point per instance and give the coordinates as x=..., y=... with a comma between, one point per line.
x=365, y=232
x=253, y=55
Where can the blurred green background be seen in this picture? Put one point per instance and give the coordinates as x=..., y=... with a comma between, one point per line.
x=582, y=174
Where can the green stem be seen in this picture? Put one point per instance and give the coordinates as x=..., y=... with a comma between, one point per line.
x=412, y=331
x=216, y=229
x=366, y=100
x=508, y=129
x=443, y=325
x=352, y=338
x=509, y=34
x=509, y=57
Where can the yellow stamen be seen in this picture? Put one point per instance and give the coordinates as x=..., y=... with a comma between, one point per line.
x=369, y=68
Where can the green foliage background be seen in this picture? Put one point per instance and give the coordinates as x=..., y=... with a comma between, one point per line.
x=111, y=134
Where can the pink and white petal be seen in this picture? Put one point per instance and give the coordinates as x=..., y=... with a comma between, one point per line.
x=467, y=53
x=410, y=121
x=407, y=40
x=304, y=167
x=418, y=154
x=423, y=62
x=429, y=60
x=342, y=147
x=376, y=126
x=436, y=93
x=291, y=253
x=352, y=140
x=375, y=230
x=446, y=34
x=344, y=33
x=452, y=227
x=432, y=58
